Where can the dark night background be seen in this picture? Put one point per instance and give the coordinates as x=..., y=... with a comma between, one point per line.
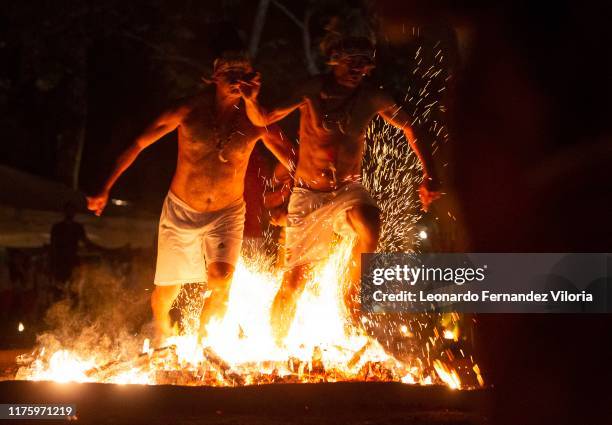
x=528, y=116
x=92, y=75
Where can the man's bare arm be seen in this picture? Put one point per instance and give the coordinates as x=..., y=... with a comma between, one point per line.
x=394, y=115
x=164, y=124
x=261, y=118
x=400, y=119
x=258, y=115
x=282, y=149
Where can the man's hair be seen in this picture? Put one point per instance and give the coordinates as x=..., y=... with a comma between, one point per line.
x=232, y=59
x=351, y=35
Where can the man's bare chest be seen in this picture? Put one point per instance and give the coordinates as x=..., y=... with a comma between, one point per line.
x=232, y=137
x=343, y=115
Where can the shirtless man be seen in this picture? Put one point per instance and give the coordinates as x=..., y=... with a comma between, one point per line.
x=335, y=111
x=202, y=219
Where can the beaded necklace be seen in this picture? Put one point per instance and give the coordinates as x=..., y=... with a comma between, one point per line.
x=222, y=140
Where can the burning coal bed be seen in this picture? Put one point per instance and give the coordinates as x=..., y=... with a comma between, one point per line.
x=322, y=346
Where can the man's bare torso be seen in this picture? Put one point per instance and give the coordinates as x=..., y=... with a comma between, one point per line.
x=207, y=178
x=332, y=134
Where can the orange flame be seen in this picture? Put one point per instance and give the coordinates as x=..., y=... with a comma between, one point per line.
x=322, y=344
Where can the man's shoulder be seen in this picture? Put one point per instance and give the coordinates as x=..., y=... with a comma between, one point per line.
x=75, y=225
x=191, y=102
x=66, y=226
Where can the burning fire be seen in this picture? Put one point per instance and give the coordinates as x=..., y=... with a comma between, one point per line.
x=322, y=345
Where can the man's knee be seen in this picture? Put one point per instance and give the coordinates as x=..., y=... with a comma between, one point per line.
x=365, y=221
x=220, y=271
x=164, y=295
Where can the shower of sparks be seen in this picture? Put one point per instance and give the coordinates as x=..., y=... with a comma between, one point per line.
x=391, y=170
x=392, y=173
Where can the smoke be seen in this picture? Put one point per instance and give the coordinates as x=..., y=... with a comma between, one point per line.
x=103, y=314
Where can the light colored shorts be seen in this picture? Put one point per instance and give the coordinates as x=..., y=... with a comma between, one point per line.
x=190, y=239
x=314, y=218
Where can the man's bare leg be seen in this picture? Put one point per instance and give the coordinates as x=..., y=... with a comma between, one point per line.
x=284, y=305
x=215, y=305
x=365, y=221
x=161, y=303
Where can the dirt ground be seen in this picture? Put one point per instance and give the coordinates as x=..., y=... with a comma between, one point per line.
x=357, y=403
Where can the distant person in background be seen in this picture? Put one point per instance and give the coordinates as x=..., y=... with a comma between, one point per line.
x=65, y=238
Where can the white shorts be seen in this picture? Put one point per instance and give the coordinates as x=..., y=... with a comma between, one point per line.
x=315, y=217
x=190, y=239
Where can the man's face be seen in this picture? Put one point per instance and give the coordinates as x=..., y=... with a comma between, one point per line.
x=228, y=81
x=349, y=71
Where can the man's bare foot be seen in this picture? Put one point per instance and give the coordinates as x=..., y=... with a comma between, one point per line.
x=279, y=340
x=280, y=324
x=161, y=303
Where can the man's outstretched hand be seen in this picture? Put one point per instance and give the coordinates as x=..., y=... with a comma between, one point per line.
x=250, y=88
x=97, y=203
x=429, y=191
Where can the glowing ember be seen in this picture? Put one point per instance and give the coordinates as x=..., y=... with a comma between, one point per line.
x=476, y=370
x=63, y=366
x=133, y=376
x=145, y=346
x=448, y=334
x=448, y=375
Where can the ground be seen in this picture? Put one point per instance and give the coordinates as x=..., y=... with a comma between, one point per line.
x=358, y=403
